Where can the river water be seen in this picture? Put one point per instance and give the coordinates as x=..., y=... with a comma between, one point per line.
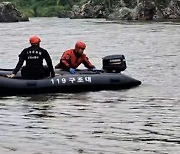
x=143, y=120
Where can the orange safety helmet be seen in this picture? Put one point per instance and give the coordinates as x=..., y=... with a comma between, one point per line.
x=80, y=45
x=34, y=40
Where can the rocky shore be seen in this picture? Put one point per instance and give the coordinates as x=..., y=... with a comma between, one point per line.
x=139, y=10
x=9, y=13
x=126, y=10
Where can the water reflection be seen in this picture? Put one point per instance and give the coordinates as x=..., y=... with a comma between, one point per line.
x=37, y=106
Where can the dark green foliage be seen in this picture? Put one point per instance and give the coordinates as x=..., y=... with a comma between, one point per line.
x=53, y=7
x=162, y=3
x=42, y=7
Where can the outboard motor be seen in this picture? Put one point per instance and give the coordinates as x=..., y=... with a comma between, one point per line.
x=114, y=63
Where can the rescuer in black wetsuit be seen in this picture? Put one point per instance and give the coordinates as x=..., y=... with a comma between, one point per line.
x=34, y=56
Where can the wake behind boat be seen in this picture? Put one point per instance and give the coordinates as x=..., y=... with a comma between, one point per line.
x=109, y=78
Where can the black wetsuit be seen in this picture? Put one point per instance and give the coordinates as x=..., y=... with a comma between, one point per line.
x=34, y=69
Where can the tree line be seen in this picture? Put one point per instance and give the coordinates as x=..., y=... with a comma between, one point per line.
x=42, y=8
x=49, y=8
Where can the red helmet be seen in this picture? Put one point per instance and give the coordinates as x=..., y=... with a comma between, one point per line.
x=34, y=40
x=80, y=45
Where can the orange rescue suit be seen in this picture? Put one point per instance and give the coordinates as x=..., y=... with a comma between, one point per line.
x=69, y=60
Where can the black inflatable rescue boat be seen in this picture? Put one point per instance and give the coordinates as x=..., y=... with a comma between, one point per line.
x=109, y=78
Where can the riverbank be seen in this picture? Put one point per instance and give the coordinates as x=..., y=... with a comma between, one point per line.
x=111, y=10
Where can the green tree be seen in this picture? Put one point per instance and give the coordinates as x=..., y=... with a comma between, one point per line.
x=52, y=7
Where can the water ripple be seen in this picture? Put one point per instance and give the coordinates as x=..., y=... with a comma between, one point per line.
x=142, y=120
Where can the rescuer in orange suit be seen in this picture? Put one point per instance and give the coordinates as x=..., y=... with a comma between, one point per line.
x=72, y=58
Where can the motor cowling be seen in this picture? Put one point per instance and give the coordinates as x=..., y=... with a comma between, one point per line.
x=114, y=63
